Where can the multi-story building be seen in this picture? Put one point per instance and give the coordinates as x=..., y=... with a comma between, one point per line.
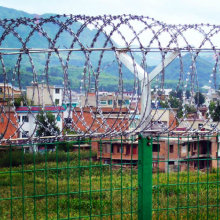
x=173, y=154
x=43, y=94
x=105, y=99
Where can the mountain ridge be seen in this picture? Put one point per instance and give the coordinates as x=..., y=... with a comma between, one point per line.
x=109, y=67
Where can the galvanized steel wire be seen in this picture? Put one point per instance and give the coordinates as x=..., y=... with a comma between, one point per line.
x=136, y=35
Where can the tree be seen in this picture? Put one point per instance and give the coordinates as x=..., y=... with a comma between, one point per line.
x=177, y=94
x=21, y=101
x=46, y=124
x=173, y=102
x=214, y=109
x=188, y=94
x=199, y=98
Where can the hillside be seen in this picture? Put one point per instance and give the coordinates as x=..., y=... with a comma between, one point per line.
x=109, y=68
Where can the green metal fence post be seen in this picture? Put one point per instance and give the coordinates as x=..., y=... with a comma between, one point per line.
x=144, y=178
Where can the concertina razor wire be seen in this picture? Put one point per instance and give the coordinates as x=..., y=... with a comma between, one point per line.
x=114, y=74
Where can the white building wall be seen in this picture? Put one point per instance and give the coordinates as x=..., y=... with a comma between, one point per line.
x=58, y=96
x=30, y=126
x=27, y=126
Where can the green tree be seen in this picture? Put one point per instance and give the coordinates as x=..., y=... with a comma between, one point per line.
x=199, y=98
x=177, y=94
x=190, y=109
x=214, y=109
x=188, y=94
x=46, y=124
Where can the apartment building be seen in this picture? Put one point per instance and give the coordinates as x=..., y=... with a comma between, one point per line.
x=106, y=99
x=43, y=94
x=168, y=154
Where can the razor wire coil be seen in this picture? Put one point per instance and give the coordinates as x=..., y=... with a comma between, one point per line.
x=137, y=36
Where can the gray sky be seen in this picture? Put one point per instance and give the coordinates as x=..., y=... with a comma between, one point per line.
x=170, y=11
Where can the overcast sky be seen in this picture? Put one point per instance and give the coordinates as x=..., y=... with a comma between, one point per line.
x=170, y=11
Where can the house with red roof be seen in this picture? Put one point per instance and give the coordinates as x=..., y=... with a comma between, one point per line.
x=8, y=123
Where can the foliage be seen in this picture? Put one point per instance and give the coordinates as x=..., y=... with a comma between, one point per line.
x=214, y=109
x=21, y=101
x=18, y=157
x=190, y=109
x=82, y=187
x=188, y=94
x=177, y=94
x=46, y=124
x=199, y=98
x=173, y=102
x=176, y=103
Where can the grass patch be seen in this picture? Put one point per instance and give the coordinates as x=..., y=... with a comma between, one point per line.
x=66, y=185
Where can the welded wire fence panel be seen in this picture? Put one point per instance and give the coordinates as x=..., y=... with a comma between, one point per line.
x=83, y=179
x=186, y=177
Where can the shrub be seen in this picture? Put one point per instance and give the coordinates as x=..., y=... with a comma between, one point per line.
x=17, y=157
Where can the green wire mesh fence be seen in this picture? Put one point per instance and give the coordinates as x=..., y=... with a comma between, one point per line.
x=153, y=177
x=74, y=180
x=186, y=177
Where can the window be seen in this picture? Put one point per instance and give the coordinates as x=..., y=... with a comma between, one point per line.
x=171, y=148
x=109, y=102
x=58, y=118
x=103, y=102
x=57, y=101
x=128, y=150
x=25, y=118
x=2, y=120
x=126, y=102
x=155, y=164
x=120, y=149
x=19, y=118
x=200, y=126
x=134, y=150
x=24, y=134
x=195, y=146
x=156, y=148
x=119, y=102
x=57, y=91
x=112, y=149
x=1, y=90
x=68, y=120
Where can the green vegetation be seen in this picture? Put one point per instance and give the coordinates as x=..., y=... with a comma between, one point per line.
x=214, y=109
x=199, y=98
x=183, y=192
x=109, y=68
x=41, y=185
x=52, y=189
x=46, y=124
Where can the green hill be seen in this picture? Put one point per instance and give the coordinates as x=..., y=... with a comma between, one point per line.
x=109, y=68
